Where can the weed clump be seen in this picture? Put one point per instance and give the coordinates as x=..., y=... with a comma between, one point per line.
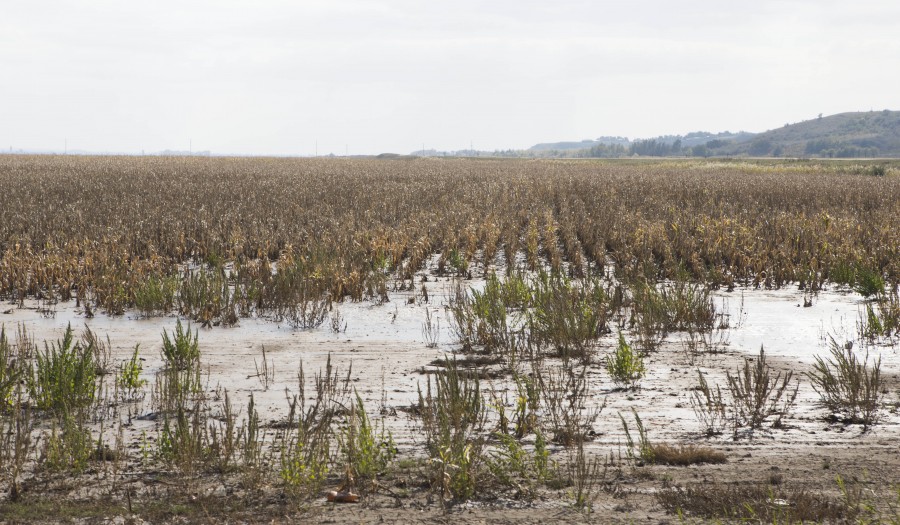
x=625, y=366
x=756, y=395
x=848, y=387
x=64, y=376
x=182, y=350
x=763, y=503
x=453, y=414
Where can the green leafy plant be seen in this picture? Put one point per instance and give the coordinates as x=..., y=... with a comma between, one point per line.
x=869, y=282
x=368, y=449
x=155, y=295
x=453, y=414
x=182, y=350
x=512, y=465
x=306, y=450
x=63, y=376
x=69, y=446
x=9, y=371
x=128, y=380
x=625, y=366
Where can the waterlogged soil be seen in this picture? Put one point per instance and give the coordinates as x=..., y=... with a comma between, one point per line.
x=384, y=349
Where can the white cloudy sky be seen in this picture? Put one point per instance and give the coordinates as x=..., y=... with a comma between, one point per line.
x=367, y=76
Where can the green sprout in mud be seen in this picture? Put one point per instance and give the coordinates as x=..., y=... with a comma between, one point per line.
x=129, y=379
x=625, y=365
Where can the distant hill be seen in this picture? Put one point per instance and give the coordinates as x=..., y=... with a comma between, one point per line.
x=584, y=144
x=845, y=135
x=697, y=138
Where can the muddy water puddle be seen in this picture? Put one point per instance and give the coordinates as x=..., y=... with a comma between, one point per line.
x=386, y=348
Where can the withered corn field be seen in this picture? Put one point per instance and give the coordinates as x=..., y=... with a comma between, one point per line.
x=364, y=340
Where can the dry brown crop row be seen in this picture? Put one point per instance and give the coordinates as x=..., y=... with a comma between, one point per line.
x=100, y=227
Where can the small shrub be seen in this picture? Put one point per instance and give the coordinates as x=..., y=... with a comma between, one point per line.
x=63, y=376
x=511, y=465
x=251, y=438
x=102, y=350
x=491, y=317
x=625, y=366
x=308, y=313
x=367, y=449
x=528, y=402
x=68, y=447
x=453, y=415
x=9, y=371
x=756, y=395
x=17, y=443
x=709, y=407
x=128, y=380
x=182, y=350
x=182, y=440
x=304, y=467
x=673, y=307
x=564, y=393
x=306, y=451
x=175, y=388
x=155, y=296
x=584, y=474
x=431, y=329
x=848, y=386
x=568, y=315
x=882, y=319
x=869, y=282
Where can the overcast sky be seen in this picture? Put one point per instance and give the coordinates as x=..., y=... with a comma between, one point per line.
x=276, y=77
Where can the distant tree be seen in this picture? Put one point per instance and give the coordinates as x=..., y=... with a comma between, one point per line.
x=700, y=151
x=717, y=143
x=650, y=148
x=760, y=147
x=605, y=151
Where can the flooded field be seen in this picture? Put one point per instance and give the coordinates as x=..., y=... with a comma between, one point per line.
x=389, y=361
x=644, y=344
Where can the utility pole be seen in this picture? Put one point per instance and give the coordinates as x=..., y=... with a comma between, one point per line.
x=317, y=147
x=66, y=146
